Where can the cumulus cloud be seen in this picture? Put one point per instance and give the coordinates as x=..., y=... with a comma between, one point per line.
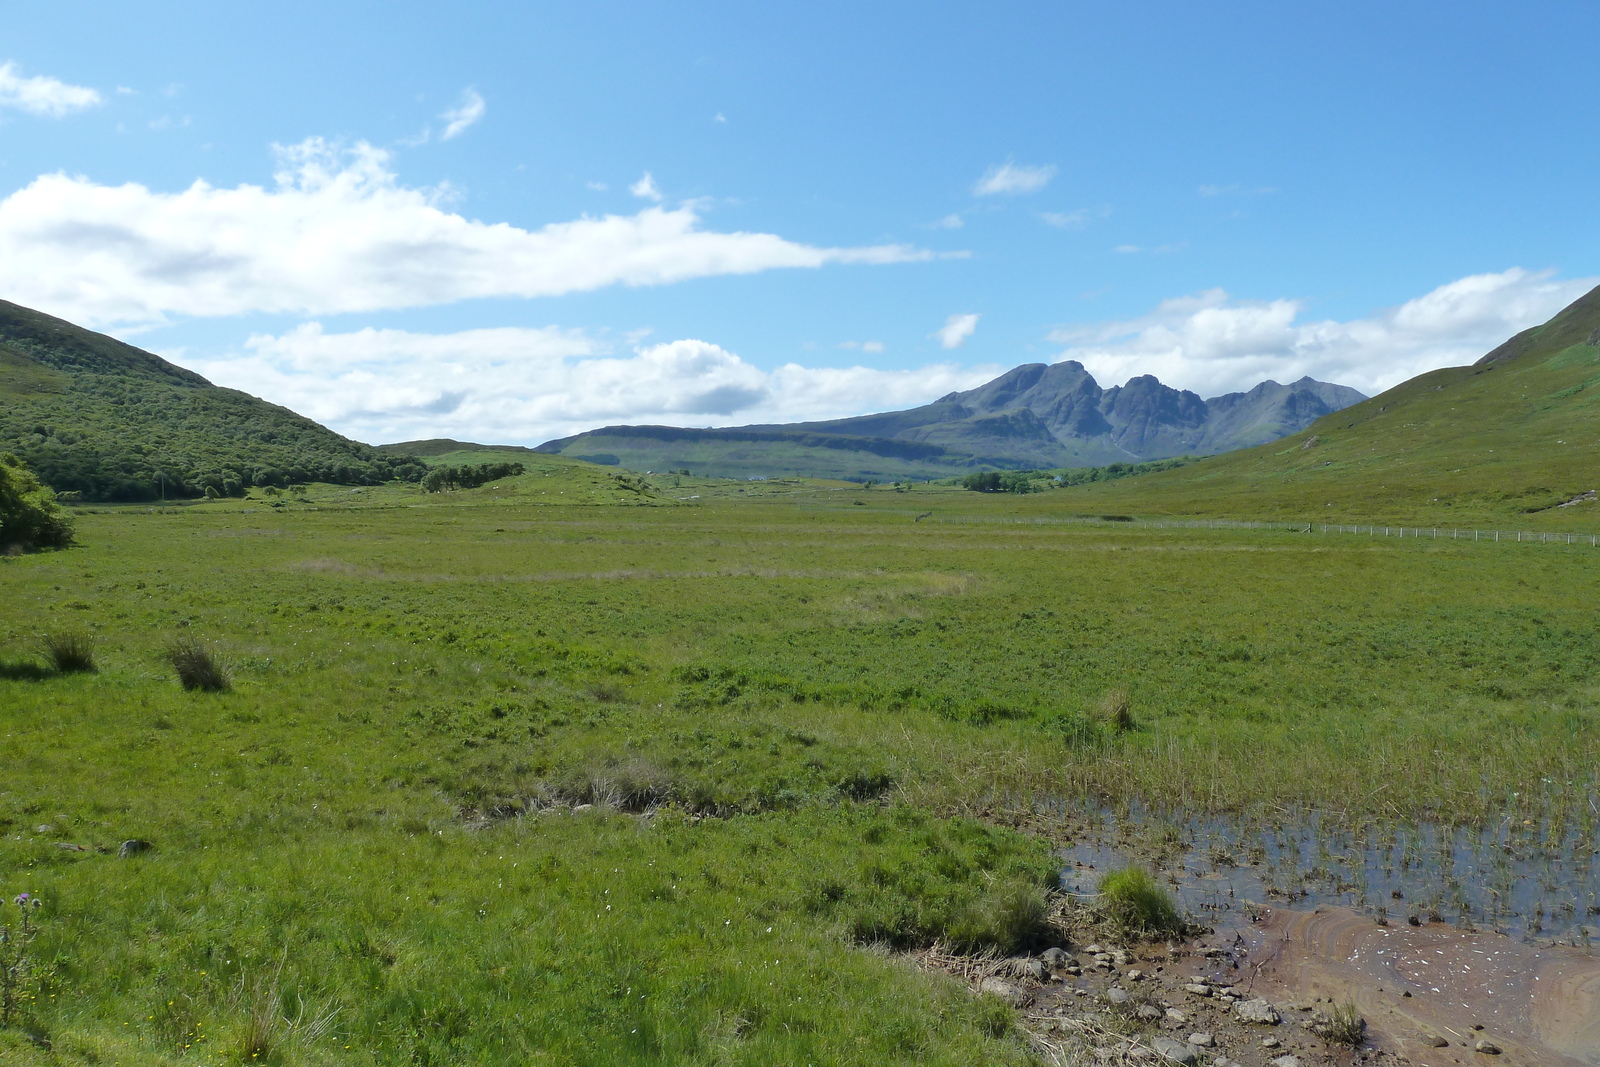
x=1010, y=179
x=41, y=95
x=645, y=188
x=337, y=232
x=950, y=222
x=956, y=330
x=463, y=115
x=1212, y=343
x=519, y=385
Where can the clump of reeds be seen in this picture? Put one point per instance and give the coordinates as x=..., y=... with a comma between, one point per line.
x=1116, y=710
x=70, y=652
x=198, y=667
x=1344, y=1026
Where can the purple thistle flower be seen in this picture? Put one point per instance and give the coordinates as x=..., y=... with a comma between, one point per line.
x=22, y=900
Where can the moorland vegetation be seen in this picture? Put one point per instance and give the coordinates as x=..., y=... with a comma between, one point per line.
x=503, y=773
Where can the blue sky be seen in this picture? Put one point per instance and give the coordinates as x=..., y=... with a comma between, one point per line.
x=426, y=219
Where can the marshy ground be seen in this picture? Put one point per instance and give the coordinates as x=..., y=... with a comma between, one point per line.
x=503, y=777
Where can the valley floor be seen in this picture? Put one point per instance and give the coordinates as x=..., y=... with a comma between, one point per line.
x=499, y=782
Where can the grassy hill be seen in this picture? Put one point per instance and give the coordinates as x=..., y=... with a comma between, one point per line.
x=1510, y=437
x=109, y=421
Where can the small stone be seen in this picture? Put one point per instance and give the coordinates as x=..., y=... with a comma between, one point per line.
x=44, y=828
x=581, y=807
x=1259, y=1012
x=70, y=847
x=1488, y=1048
x=1201, y=1040
x=1091, y=949
x=1199, y=989
x=1176, y=1016
x=1284, y=1061
x=1073, y=969
x=1174, y=1051
x=1227, y=998
x=1269, y=1042
x=132, y=847
x=1148, y=1011
x=1116, y=995
x=1134, y=974
x=1435, y=1041
x=1056, y=959
x=1009, y=992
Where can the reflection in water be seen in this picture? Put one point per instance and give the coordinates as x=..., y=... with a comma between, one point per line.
x=1533, y=881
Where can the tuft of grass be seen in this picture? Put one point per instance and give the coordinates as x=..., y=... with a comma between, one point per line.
x=1012, y=917
x=70, y=652
x=198, y=667
x=1345, y=1026
x=1116, y=710
x=1137, y=903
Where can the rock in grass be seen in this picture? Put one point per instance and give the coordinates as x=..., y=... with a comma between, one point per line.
x=1009, y=992
x=1199, y=989
x=132, y=847
x=1201, y=1040
x=1116, y=996
x=1488, y=1048
x=1284, y=1061
x=1259, y=1011
x=1174, y=1051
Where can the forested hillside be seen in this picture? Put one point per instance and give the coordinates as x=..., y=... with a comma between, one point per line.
x=108, y=421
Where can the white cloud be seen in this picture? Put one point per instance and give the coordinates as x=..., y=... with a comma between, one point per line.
x=1011, y=178
x=41, y=95
x=338, y=233
x=1213, y=344
x=956, y=330
x=872, y=347
x=645, y=188
x=518, y=385
x=719, y=117
x=463, y=115
x=950, y=222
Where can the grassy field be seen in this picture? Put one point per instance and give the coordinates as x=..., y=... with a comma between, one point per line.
x=807, y=728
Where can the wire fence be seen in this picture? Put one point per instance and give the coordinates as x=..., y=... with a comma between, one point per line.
x=1436, y=533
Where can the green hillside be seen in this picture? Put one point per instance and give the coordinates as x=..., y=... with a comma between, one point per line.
x=109, y=421
x=1510, y=437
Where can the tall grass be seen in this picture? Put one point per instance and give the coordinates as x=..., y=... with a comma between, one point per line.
x=71, y=651
x=198, y=666
x=1138, y=904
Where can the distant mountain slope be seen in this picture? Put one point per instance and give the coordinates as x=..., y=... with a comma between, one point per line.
x=1032, y=416
x=1515, y=434
x=93, y=415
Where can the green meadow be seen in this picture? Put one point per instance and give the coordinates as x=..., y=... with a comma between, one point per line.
x=583, y=768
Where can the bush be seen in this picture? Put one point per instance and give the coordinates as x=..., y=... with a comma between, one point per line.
x=197, y=666
x=69, y=652
x=30, y=518
x=1137, y=903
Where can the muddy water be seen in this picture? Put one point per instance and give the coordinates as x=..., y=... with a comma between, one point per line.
x=1434, y=984
x=1431, y=931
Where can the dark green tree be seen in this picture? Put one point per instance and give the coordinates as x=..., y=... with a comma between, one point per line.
x=30, y=518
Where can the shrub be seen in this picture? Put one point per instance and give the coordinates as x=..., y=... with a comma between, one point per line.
x=69, y=652
x=30, y=518
x=197, y=666
x=1137, y=903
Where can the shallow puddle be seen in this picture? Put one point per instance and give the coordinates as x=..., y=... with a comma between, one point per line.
x=1526, y=881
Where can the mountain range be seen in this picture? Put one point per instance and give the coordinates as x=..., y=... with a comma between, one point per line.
x=1033, y=416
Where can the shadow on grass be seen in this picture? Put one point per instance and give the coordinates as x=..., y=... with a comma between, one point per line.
x=23, y=671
